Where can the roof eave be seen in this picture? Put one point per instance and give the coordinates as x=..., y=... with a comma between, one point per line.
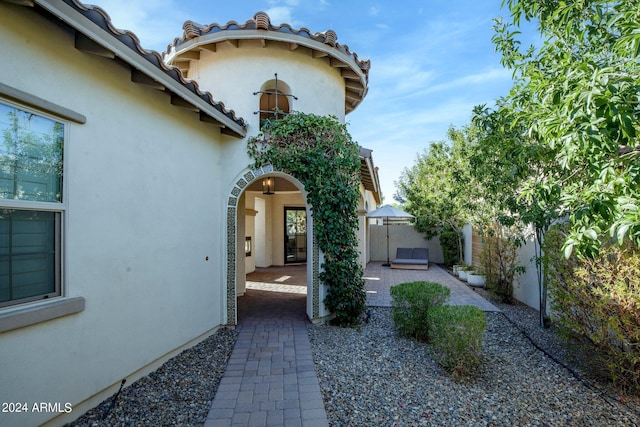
x=369, y=174
x=348, y=67
x=81, y=23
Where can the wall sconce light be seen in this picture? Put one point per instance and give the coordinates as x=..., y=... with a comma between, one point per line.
x=247, y=246
x=269, y=186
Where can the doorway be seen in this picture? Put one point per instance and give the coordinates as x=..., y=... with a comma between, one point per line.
x=295, y=238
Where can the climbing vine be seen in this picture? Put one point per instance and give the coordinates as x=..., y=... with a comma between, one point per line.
x=319, y=152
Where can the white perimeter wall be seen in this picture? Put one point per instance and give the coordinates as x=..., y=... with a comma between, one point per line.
x=400, y=236
x=143, y=215
x=526, y=288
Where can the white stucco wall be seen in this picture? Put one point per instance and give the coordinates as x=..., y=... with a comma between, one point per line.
x=230, y=72
x=526, y=287
x=143, y=215
x=367, y=204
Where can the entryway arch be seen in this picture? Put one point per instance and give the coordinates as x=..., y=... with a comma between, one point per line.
x=235, y=244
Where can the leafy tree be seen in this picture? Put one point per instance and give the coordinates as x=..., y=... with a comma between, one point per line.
x=517, y=176
x=319, y=152
x=577, y=96
x=437, y=188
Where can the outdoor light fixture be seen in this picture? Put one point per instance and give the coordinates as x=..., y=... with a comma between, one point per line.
x=269, y=186
x=247, y=246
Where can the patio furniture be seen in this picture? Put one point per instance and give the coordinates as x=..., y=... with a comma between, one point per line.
x=411, y=259
x=387, y=212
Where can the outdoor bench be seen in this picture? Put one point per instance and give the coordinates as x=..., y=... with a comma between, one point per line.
x=411, y=259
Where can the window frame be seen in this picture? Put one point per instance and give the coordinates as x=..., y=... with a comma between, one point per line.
x=58, y=208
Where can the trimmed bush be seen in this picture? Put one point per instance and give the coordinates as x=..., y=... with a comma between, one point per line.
x=410, y=306
x=456, y=334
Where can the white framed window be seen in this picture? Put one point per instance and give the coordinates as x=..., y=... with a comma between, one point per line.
x=31, y=204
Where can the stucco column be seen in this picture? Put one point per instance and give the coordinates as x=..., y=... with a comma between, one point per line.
x=362, y=237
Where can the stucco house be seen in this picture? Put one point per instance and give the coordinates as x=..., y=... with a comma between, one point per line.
x=129, y=212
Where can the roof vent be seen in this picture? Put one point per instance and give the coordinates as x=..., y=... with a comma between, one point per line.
x=262, y=21
x=191, y=30
x=330, y=38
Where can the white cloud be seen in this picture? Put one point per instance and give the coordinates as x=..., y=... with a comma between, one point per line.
x=280, y=15
x=374, y=11
x=400, y=75
x=490, y=75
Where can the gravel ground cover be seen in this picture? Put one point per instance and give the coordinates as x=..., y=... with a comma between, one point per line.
x=373, y=377
x=179, y=393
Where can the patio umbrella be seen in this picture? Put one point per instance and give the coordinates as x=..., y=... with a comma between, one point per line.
x=388, y=211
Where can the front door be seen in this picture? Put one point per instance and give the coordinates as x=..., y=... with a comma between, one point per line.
x=295, y=239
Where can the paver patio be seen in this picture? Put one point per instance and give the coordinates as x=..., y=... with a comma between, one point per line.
x=379, y=279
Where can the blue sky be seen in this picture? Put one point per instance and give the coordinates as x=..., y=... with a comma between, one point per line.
x=431, y=61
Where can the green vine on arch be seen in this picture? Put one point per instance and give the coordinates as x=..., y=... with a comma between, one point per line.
x=319, y=152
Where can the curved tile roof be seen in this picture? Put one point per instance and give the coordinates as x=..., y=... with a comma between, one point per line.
x=261, y=27
x=100, y=18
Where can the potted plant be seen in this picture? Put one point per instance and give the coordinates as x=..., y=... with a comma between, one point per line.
x=463, y=272
x=476, y=278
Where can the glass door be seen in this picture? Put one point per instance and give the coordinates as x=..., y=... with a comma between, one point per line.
x=295, y=238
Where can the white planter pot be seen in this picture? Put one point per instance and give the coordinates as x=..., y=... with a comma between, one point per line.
x=462, y=275
x=475, y=279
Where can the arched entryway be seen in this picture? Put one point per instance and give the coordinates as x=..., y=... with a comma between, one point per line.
x=237, y=243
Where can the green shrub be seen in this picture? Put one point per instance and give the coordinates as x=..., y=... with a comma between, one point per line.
x=410, y=306
x=456, y=334
x=599, y=300
x=450, y=249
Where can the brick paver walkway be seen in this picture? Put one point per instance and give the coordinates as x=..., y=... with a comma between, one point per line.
x=270, y=379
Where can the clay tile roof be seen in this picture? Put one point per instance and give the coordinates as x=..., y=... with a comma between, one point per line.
x=100, y=18
x=261, y=22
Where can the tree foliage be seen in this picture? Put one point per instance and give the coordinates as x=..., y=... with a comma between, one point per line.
x=577, y=96
x=519, y=177
x=437, y=189
x=450, y=245
x=319, y=152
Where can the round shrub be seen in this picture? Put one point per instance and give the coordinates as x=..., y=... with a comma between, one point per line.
x=410, y=306
x=456, y=334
